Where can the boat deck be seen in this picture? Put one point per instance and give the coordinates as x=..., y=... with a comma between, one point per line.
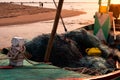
x=41, y=71
x=44, y=71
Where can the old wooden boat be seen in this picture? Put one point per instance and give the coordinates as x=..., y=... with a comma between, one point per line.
x=43, y=71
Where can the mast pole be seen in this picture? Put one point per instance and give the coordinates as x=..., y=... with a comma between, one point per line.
x=50, y=42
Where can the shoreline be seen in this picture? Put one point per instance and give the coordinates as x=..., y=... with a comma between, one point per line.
x=11, y=26
x=13, y=14
x=25, y=19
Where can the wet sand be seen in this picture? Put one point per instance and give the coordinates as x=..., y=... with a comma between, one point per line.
x=26, y=16
x=12, y=14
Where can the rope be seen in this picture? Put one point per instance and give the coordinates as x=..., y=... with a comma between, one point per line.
x=61, y=17
x=5, y=58
x=23, y=53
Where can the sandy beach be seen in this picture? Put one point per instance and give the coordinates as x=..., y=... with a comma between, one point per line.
x=12, y=15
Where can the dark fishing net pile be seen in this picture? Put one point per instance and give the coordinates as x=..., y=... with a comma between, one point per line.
x=68, y=52
x=62, y=54
x=86, y=40
x=114, y=43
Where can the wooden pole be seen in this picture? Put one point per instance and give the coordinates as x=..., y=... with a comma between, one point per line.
x=99, y=4
x=61, y=18
x=50, y=42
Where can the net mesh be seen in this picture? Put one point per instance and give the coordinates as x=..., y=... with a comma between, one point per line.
x=40, y=71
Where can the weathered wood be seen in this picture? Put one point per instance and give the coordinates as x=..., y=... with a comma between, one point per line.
x=102, y=26
x=50, y=43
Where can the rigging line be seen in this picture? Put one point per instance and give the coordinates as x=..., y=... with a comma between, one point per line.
x=61, y=18
x=23, y=53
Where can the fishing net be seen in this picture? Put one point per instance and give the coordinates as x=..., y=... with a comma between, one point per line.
x=69, y=51
x=39, y=71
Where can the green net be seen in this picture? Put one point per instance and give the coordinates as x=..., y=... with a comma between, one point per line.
x=40, y=71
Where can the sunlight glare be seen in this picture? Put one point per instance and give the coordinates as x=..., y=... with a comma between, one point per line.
x=115, y=1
